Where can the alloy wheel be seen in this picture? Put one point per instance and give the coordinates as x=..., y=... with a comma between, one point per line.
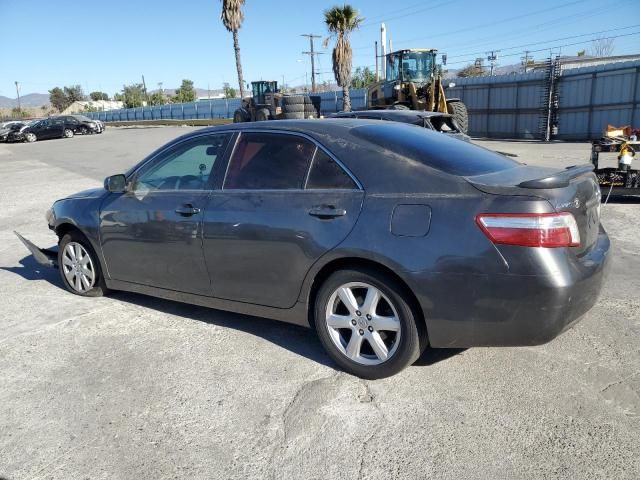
x=78, y=268
x=363, y=323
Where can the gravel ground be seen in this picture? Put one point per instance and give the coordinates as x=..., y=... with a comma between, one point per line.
x=132, y=387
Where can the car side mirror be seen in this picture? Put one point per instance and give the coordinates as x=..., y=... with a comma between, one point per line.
x=116, y=183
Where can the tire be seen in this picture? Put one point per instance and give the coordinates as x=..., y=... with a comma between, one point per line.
x=30, y=137
x=262, y=115
x=67, y=133
x=294, y=116
x=460, y=115
x=293, y=100
x=398, y=106
x=72, y=246
x=239, y=116
x=84, y=131
x=294, y=108
x=403, y=345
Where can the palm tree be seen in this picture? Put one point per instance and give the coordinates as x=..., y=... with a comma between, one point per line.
x=341, y=21
x=232, y=18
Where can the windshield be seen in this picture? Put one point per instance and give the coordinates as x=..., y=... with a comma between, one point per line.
x=417, y=66
x=82, y=118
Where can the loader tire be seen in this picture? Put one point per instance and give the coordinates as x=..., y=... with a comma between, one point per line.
x=460, y=115
x=294, y=116
x=294, y=108
x=293, y=100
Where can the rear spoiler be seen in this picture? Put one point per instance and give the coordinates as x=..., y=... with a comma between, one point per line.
x=560, y=179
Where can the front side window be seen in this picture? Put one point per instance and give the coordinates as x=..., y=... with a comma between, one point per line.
x=188, y=166
x=267, y=161
x=393, y=67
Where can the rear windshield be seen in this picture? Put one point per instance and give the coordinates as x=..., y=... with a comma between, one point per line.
x=435, y=150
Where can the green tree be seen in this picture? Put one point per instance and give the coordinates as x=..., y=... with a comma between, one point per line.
x=74, y=93
x=232, y=18
x=475, y=69
x=58, y=99
x=156, y=98
x=96, y=96
x=118, y=97
x=363, y=78
x=133, y=95
x=186, y=93
x=341, y=21
x=229, y=91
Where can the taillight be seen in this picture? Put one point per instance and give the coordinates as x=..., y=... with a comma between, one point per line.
x=531, y=230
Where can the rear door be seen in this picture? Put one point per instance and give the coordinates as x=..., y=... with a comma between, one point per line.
x=285, y=202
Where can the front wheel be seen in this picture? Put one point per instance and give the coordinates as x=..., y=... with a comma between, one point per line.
x=239, y=116
x=460, y=115
x=366, y=323
x=67, y=133
x=30, y=137
x=79, y=266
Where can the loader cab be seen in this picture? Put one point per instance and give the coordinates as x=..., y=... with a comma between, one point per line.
x=263, y=91
x=416, y=66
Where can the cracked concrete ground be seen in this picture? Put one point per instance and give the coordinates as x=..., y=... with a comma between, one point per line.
x=131, y=387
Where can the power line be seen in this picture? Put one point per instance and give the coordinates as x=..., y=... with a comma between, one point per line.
x=549, y=41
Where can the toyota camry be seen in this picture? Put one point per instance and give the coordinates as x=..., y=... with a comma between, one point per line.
x=385, y=238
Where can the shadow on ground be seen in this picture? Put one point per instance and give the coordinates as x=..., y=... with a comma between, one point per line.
x=300, y=340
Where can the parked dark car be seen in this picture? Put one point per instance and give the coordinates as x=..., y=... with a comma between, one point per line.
x=8, y=127
x=41, y=130
x=80, y=124
x=383, y=237
x=439, y=122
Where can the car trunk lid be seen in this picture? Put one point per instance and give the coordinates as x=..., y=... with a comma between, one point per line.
x=574, y=190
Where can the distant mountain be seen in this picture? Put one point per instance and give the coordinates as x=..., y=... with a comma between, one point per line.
x=28, y=100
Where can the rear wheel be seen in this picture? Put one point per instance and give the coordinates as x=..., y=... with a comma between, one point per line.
x=460, y=115
x=67, y=133
x=239, y=116
x=30, y=137
x=365, y=322
x=79, y=266
x=399, y=106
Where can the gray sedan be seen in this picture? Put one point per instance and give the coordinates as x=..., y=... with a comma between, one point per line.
x=385, y=238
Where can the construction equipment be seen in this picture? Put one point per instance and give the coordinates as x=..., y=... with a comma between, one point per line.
x=414, y=81
x=620, y=180
x=268, y=103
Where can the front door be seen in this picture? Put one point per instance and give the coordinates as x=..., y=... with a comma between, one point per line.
x=285, y=203
x=152, y=234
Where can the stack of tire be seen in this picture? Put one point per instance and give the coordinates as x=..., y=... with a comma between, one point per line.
x=297, y=107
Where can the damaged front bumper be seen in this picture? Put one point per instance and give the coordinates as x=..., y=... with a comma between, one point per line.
x=44, y=256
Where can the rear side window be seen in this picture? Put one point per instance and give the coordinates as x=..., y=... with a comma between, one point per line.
x=327, y=174
x=267, y=161
x=435, y=150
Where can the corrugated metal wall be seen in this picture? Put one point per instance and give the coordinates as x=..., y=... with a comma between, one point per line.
x=507, y=106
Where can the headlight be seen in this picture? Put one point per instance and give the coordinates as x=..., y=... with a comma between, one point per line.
x=50, y=216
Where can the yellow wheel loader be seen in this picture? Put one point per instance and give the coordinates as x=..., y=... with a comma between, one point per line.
x=413, y=81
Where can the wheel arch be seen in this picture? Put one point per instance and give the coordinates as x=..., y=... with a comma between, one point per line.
x=65, y=226
x=364, y=263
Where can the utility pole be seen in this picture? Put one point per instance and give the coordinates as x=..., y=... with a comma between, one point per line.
x=18, y=93
x=376, y=50
x=144, y=86
x=492, y=57
x=525, y=60
x=312, y=53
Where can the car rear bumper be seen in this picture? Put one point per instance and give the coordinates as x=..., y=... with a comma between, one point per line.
x=472, y=310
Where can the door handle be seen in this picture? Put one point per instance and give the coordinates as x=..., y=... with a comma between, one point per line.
x=327, y=211
x=187, y=210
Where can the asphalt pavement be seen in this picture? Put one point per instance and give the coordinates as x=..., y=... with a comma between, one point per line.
x=132, y=387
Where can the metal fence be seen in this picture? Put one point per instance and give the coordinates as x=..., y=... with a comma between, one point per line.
x=216, y=108
x=588, y=98
x=507, y=106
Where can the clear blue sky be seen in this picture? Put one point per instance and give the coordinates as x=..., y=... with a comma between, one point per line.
x=103, y=44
